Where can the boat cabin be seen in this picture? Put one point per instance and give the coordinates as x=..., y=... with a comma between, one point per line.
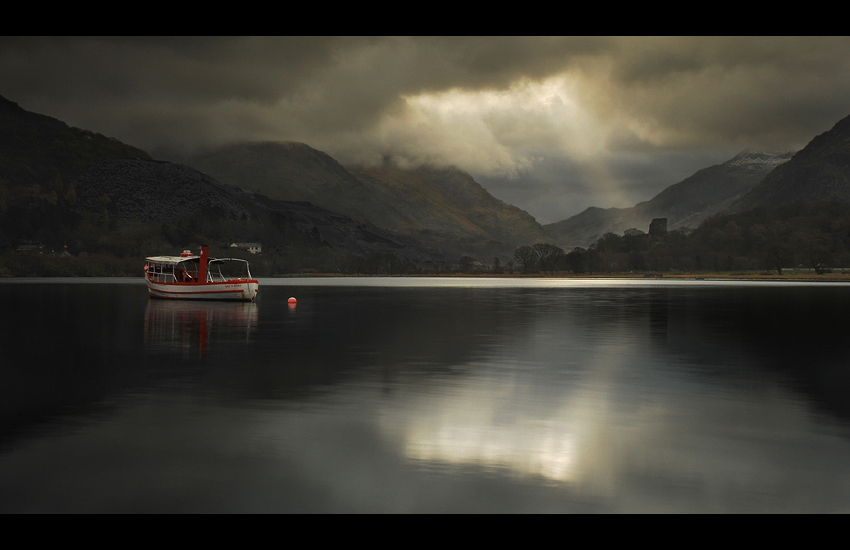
x=190, y=268
x=173, y=269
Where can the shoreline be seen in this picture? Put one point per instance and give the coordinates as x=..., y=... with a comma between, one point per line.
x=797, y=276
x=807, y=275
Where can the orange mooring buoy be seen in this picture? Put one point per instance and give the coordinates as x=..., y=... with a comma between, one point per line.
x=292, y=300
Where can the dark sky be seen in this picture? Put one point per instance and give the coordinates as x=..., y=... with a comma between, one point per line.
x=552, y=125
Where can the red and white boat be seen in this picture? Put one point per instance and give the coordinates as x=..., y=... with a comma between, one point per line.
x=191, y=277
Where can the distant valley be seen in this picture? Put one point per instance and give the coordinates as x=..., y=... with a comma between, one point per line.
x=685, y=204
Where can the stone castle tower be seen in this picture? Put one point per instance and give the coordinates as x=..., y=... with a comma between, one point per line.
x=658, y=226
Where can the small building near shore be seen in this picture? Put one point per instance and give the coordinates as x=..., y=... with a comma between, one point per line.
x=253, y=248
x=30, y=249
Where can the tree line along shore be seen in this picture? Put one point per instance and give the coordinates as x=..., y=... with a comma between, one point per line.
x=803, y=240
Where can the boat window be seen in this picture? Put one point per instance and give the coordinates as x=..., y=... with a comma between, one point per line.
x=228, y=269
x=161, y=273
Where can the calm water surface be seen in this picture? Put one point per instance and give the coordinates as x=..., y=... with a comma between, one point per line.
x=426, y=395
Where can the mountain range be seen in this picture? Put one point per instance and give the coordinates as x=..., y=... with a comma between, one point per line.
x=684, y=204
x=57, y=180
x=818, y=172
x=443, y=208
x=63, y=185
x=151, y=193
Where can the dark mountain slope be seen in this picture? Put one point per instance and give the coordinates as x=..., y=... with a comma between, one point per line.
x=711, y=189
x=35, y=149
x=286, y=171
x=62, y=185
x=443, y=208
x=820, y=171
x=447, y=208
x=152, y=193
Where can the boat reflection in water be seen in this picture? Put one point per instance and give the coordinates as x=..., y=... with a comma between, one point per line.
x=172, y=325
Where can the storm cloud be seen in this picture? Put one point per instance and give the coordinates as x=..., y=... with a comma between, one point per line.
x=550, y=124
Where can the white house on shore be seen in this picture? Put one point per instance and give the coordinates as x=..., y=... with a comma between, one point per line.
x=253, y=248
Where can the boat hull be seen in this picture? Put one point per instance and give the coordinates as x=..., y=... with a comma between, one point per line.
x=239, y=290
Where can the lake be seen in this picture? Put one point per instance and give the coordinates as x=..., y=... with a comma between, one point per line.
x=379, y=394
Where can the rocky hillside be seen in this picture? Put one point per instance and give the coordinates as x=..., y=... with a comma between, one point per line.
x=820, y=171
x=286, y=171
x=154, y=192
x=157, y=192
x=445, y=209
x=39, y=158
x=36, y=149
x=347, y=235
x=685, y=204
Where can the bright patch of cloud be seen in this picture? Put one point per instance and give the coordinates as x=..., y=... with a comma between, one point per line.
x=493, y=131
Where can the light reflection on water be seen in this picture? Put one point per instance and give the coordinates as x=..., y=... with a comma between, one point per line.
x=641, y=398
